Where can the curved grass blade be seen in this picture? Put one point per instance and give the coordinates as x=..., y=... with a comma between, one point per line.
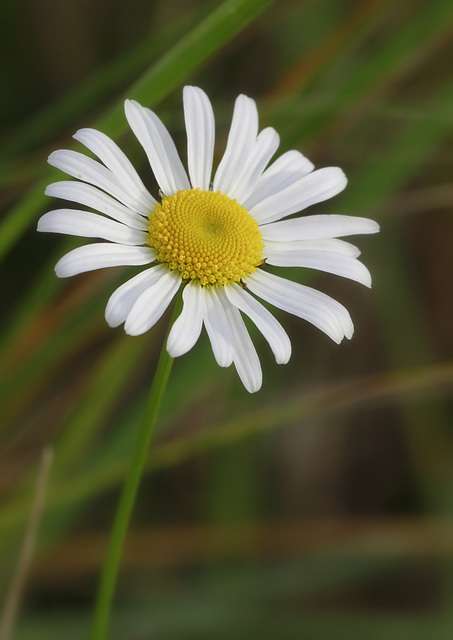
x=162, y=77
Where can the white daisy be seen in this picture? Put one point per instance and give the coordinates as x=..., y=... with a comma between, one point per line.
x=213, y=239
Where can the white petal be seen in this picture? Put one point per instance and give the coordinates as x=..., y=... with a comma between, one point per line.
x=290, y=167
x=100, y=255
x=322, y=244
x=152, y=303
x=187, y=327
x=241, y=140
x=318, y=226
x=200, y=127
x=245, y=359
x=88, y=170
x=316, y=187
x=307, y=303
x=114, y=159
x=98, y=200
x=89, y=225
x=158, y=146
x=123, y=299
x=263, y=150
x=327, y=261
x=269, y=326
x=217, y=327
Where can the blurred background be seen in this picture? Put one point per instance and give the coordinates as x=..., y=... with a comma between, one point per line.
x=321, y=506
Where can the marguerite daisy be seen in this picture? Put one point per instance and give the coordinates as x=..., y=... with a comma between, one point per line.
x=213, y=239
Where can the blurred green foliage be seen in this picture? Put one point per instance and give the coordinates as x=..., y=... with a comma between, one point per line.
x=322, y=506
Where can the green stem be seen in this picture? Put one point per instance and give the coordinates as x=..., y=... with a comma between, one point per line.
x=124, y=510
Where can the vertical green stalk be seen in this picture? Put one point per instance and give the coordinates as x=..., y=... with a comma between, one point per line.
x=124, y=510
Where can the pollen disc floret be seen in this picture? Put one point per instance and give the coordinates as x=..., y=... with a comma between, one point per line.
x=205, y=236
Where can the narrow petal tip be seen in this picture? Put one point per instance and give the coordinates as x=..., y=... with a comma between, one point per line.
x=374, y=227
x=340, y=177
x=61, y=272
x=53, y=157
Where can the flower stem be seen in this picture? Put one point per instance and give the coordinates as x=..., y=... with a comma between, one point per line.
x=124, y=510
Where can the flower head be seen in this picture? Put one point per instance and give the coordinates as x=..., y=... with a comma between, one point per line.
x=213, y=239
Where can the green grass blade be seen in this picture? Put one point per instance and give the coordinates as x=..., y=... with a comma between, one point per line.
x=102, y=83
x=169, y=72
x=432, y=20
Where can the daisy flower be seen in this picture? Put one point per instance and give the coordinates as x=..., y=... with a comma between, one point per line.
x=211, y=238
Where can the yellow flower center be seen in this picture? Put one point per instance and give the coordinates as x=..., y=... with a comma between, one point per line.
x=205, y=236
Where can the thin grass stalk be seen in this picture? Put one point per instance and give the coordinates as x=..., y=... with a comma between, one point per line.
x=14, y=596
